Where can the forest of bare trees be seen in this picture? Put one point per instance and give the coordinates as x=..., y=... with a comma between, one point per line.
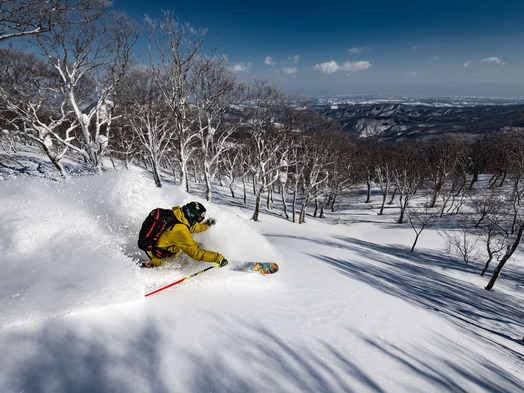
x=74, y=81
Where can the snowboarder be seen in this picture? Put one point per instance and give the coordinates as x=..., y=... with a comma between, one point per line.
x=177, y=238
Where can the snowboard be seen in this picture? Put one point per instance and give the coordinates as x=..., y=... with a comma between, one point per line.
x=259, y=267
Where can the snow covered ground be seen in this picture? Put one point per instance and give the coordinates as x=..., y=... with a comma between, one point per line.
x=351, y=309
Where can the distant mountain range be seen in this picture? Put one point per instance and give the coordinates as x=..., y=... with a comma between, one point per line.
x=414, y=118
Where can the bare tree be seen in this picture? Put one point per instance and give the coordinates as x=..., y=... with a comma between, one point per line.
x=511, y=248
x=515, y=168
x=478, y=157
x=462, y=240
x=490, y=213
x=409, y=175
x=421, y=218
x=442, y=155
x=384, y=174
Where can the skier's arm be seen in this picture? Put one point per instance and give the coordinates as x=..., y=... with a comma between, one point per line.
x=201, y=227
x=188, y=245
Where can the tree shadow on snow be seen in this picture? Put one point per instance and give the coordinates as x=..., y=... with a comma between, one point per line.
x=439, y=371
x=245, y=356
x=75, y=363
x=141, y=362
x=421, y=279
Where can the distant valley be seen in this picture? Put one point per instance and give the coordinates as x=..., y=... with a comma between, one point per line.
x=414, y=118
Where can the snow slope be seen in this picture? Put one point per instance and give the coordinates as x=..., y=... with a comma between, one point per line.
x=351, y=309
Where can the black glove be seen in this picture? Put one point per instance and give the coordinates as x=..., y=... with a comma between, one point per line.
x=210, y=221
x=222, y=263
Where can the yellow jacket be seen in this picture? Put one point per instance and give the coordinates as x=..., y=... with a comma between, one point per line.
x=178, y=238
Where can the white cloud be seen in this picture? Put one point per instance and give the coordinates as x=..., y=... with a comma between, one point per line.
x=434, y=58
x=356, y=51
x=241, y=67
x=467, y=63
x=295, y=59
x=411, y=73
x=290, y=70
x=489, y=60
x=349, y=66
x=269, y=60
x=354, y=66
x=328, y=67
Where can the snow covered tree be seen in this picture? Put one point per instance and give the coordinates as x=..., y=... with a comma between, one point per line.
x=343, y=172
x=315, y=176
x=266, y=113
x=147, y=116
x=30, y=106
x=22, y=18
x=175, y=52
x=234, y=166
x=90, y=48
x=311, y=155
x=215, y=97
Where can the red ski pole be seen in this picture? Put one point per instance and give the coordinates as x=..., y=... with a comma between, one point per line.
x=181, y=280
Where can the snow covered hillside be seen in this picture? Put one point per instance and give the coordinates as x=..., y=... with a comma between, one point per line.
x=351, y=309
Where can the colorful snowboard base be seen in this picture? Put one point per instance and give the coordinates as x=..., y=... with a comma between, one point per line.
x=259, y=267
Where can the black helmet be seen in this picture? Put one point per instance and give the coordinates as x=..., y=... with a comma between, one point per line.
x=194, y=212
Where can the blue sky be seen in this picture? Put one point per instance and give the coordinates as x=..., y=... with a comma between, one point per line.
x=460, y=47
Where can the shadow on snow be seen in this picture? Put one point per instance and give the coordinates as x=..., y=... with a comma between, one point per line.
x=393, y=271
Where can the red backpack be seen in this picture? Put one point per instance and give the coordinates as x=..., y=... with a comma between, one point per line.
x=153, y=226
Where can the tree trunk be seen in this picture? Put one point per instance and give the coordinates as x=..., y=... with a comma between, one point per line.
x=56, y=161
x=368, y=192
x=333, y=203
x=511, y=249
x=486, y=266
x=207, y=179
x=257, y=206
x=384, y=196
x=303, y=209
x=245, y=190
x=393, y=196
x=294, y=205
x=404, y=201
x=323, y=206
x=415, y=242
x=284, y=204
